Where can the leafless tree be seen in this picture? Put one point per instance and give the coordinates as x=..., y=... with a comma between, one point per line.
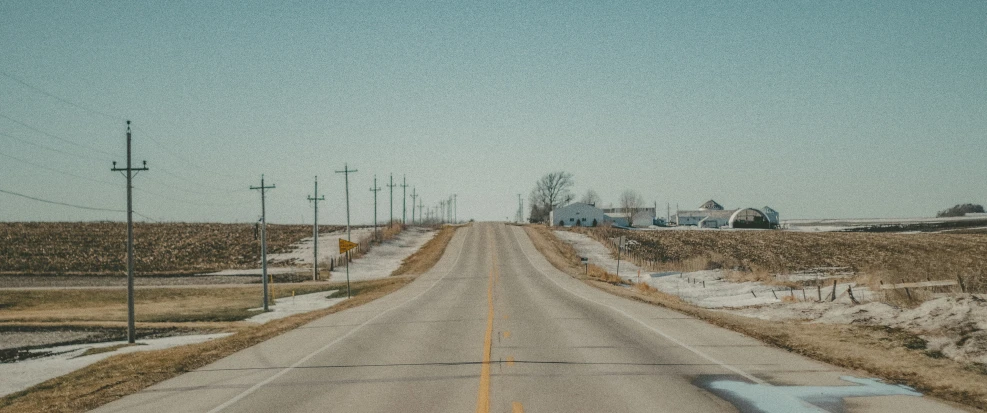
x=631, y=202
x=591, y=197
x=551, y=191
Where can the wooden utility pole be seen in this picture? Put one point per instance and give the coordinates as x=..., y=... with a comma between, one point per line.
x=391, y=185
x=315, y=230
x=404, y=200
x=130, y=172
x=263, y=236
x=414, y=197
x=375, y=189
x=346, y=174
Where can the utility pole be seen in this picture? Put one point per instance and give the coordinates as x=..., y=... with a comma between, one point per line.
x=375, y=189
x=442, y=208
x=421, y=204
x=346, y=174
x=391, y=185
x=414, y=196
x=263, y=236
x=130, y=172
x=455, y=209
x=520, y=209
x=404, y=200
x=315, y=230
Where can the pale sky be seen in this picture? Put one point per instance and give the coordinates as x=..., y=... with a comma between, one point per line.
x=819, y=109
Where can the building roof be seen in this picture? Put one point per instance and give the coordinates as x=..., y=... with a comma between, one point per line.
x=711, y=205
x=725, y=214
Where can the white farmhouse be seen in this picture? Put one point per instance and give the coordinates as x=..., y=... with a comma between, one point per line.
x=578, y=215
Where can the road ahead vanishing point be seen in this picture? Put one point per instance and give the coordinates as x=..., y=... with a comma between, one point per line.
x=495, y=327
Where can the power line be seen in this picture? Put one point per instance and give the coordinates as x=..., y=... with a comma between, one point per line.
x=98, y=112
x=29, y=142
x=36, y=165
x=53, y=136
x=58, y=98
x=175, y=155
x=61, y=203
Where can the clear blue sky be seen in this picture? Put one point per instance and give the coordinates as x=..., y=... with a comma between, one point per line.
x=818, y=109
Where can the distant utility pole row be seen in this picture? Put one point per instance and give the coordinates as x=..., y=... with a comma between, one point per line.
x=449, y=215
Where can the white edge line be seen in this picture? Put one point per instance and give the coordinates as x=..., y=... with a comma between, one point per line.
x=341, y=338
x=646, y=325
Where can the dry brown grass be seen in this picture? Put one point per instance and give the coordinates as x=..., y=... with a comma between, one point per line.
x=152, y=305
x=886, y=353
x=890, y=257
x=426, y=257
x=163, y=248
x=125, y=374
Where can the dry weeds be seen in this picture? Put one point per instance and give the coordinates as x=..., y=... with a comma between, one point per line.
x=883, y=352
x=893, y=258
x=152, y=305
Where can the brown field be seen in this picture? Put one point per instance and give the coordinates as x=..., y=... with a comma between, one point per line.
x=884, y=256
x=885, y=352
x=160, y=248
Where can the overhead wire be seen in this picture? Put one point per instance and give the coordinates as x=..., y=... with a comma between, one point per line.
x=37, y=165
x=58, y=98
x=47, y=201
x=53, y=136
x=150, y=136
x=46, y=147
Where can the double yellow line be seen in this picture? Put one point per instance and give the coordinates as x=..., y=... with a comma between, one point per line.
x=483, y=395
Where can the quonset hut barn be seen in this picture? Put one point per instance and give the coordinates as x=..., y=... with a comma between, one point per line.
x=712, y=215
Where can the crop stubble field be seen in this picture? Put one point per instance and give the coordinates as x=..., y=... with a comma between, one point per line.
x=99, y=248
x=888, y=257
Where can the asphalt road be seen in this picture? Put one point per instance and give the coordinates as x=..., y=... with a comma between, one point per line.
x=494, y=327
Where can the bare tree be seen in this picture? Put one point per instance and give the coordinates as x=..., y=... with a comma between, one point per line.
x=630, y=202
x=551, y=191
x=591, y=197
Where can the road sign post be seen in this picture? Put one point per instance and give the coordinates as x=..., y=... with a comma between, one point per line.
x=345, y=247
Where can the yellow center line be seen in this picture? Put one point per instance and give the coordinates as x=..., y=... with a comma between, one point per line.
x=507, y=334
x=516, y=407
x=483, y=394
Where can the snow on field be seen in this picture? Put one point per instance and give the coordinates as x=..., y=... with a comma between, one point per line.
x=291, y=305
x=301, y=253
x=383, y=259
x=598, y=254
x=66, y=359
x=954, y=325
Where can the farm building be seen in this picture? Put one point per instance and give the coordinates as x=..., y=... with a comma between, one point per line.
x=712, y=215
x=643, y=217
x=578, y=215
x=587, y=215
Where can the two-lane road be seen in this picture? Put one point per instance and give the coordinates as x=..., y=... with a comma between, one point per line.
x=494, y=327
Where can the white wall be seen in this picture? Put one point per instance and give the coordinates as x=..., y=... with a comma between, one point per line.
x=584, y=214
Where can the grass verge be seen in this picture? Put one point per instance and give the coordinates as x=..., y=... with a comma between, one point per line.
x=426, y=256
x=118, y=376
x=183, y=304
x=891, y=354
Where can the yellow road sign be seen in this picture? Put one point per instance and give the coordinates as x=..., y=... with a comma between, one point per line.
x=345, y=245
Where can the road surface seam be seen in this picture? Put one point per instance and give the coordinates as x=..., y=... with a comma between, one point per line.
x=625, y=314
x=257, y=386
